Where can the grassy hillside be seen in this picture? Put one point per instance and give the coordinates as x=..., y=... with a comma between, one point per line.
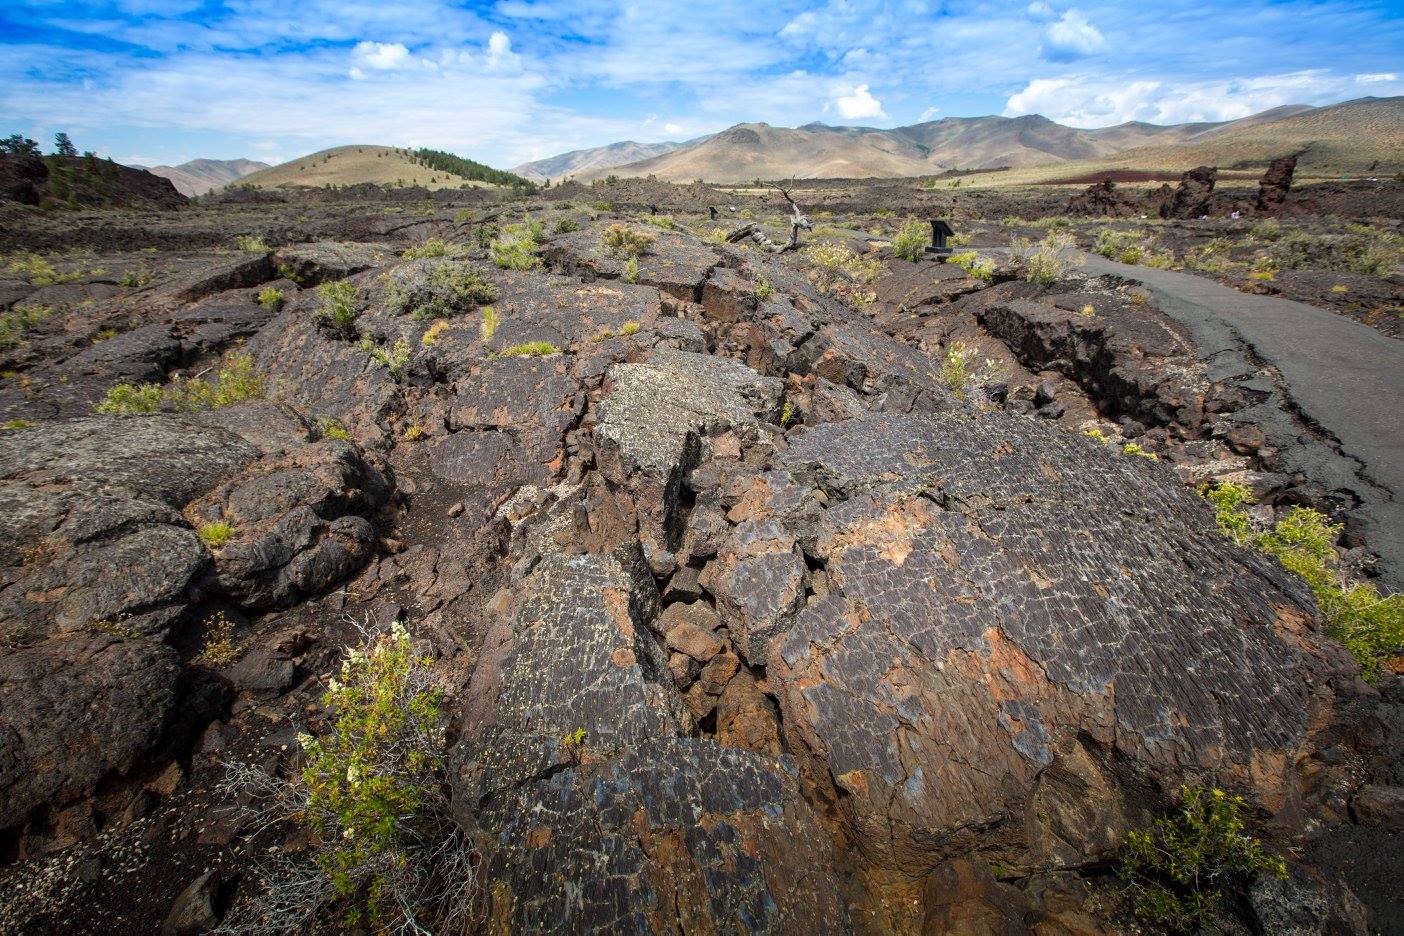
x=353, y=165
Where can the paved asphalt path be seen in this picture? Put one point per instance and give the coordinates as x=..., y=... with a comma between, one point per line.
x=1337, y=376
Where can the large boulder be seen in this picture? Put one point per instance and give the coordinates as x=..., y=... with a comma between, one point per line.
x=1014, y=635
x=90, y=523
x=72, y=710
x=302, y=522
x=1276, y=183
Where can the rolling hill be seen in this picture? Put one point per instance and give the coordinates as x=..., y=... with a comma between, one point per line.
x=1341, y=138
x=353, y=165
x=199, y=176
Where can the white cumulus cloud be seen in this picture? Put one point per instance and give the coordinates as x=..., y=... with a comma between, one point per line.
x=672, y=129
x=1087, y=101
x=1377, y=78
x=381, y=55
x=859, y=105
x=1070, y=37
x=499, y=52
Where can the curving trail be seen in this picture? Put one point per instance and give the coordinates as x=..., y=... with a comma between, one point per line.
x=1334, y=403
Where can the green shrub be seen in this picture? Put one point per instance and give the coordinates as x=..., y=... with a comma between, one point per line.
x=1368, y=624
x=1180, y=871
x=252, y=243
x=41, y=272
x=373, y=795
x=433, y=247
x=631, y=270
x=911, y=240
x=394, y=360
x=449, y=289
x=484, y=234
x=128, y=398
x=982, y=268
x=832, y=263
x=629, y=328
x=621, y=241
x=16, y=323
x=515, y=249
x=665, y=222
x=1044, y=263
x=217, y=534
x=529, y=349
x=1269, y=229
x=235, y=382
x=271, y=298
x=763, y=290
x=337, y=311
x=565, y=226
x=135, y=279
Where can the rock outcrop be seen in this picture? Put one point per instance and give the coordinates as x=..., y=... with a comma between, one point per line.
x=1276, y=183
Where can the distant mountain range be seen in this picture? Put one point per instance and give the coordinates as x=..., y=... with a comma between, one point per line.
x=205, y=175
x=1343, y=137
x=576, y=162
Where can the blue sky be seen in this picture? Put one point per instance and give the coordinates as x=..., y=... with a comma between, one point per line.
x=150, y=81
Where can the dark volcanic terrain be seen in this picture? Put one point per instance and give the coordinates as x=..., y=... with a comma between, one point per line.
x=814, y=592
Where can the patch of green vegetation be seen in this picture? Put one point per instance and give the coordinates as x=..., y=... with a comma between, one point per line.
x=449, y=289
x=565, y=226
x=433, y=247
x=631, y=270
x=629, y=328
x=529, y=349
x=17, y=424
x=1368, y=624
x=491, y=319
x=1132, y=247
x=1136, y=450
x=1045, y=262
x=911, y=240
x=831, y=263
x=337, y=311
x=1268, y=229
x=216, y=535
x=235, y=382
x=515, y=248
x=982, y=268
x=621, y=241
x=136, y=279
x=252, y=243
x=395, y=360
x=41, y=272
x=271, y=298
x=432, y=333
x=218, y=648
x=787, y=415
x=1181, y=871
x=665, y=222
x=16, y=323
x=333, y=429
x=471, y=170
x=1265, y=268
x=1210, y=257
x=763, y=290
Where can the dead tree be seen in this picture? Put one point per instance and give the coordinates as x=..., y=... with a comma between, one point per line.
x=754, y=232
